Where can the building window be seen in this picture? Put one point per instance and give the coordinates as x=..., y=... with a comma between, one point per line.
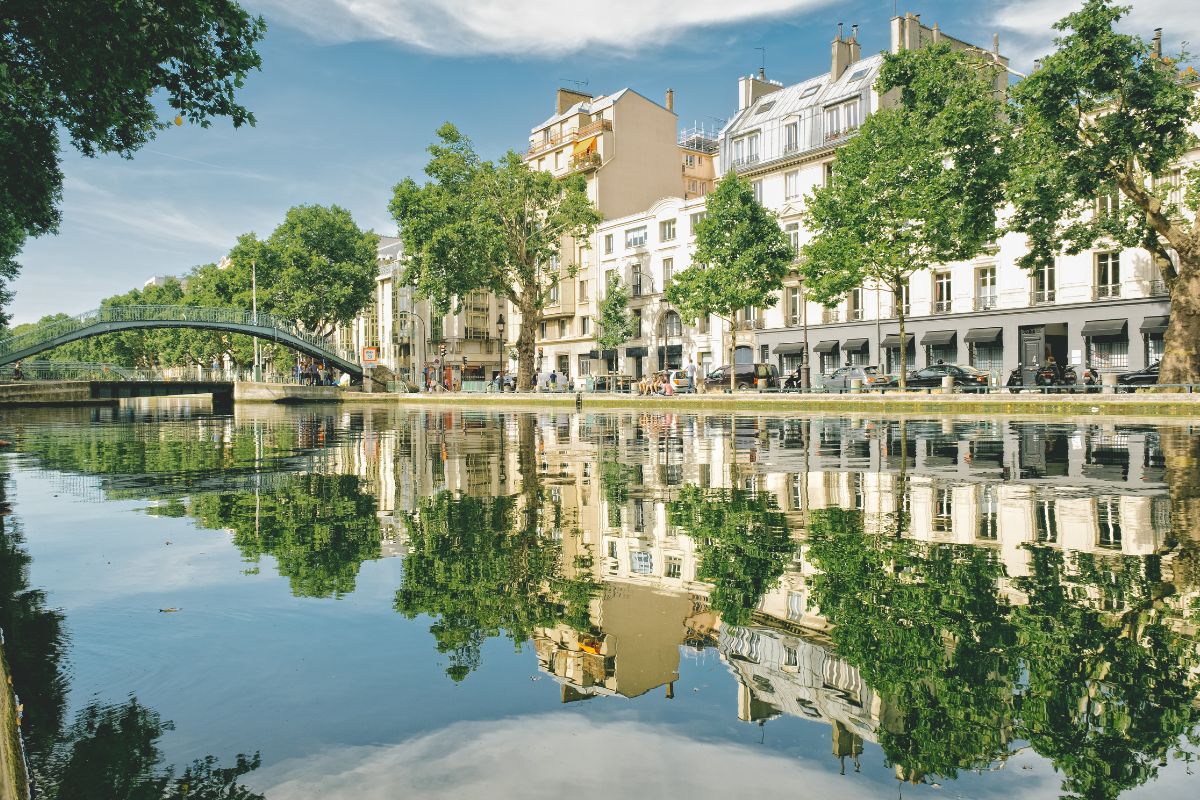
x=1108, y=522
x=791, y=184
x=693, y=186
x=641, y=563
x=558, y=159
x=666, y=230
x=542, y=329
x=1108, y=352
x=668, y=270
x=635, y=237
x=792, y=229
x=752, y=148
x=757, y=188
x=841, y=119
x=1171, y=187
x=637, y=323
x=608, y=244
x=636, y=281
x=942, y=302
x=987, y=357
x=562, y=329
x=943, y=513
x=985, y=288
x=793, y=309
x=436, y=331
x=829, y=362
x=674, y=568
x=764, y=354
x=989, y=515
x=1043, y=285
x=1108, y=203
x=1154, y=347
x=791, y=137
x=585, y=326
x=696, y=219
x=702, y=324
x=854, y=305
x=689, y=160
x=1108, y=275
x=585, y=365
x=941, y=353
x=672, y=324
x=827, y=173
x=1045, y=522
x=858, y=358
x=583, y=291
x=552, y=298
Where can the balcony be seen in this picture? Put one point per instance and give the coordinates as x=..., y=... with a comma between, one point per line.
x=986, y=302
x=830, y=315
x=1158, y=288
x=746, y=162
x=1106, y=291
x=1041, y=297
x=585, y=161
x=750, y=325
x=854, y=315
x=570, y=135
x=942, y=306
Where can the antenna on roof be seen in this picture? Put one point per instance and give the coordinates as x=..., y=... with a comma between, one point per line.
x=578, y=84
x=762, y=69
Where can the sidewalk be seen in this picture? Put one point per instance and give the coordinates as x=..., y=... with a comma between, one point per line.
x=1145, y=404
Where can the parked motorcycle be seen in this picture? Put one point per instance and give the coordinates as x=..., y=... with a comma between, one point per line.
x=1052, y=375
x=792, y=381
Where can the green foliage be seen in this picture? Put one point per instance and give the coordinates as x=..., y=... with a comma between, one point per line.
x=1105, y=689
x=112, y=751
x=318, y=528
x=743, y=541
x=918, y=185
x=740, y=260
x=482, y=225
x=480, y=567
x=100, y=72
x=616, y=323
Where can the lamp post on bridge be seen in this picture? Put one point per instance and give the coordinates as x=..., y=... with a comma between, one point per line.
x=257, y=371
x=411, y=356
x=503, y=355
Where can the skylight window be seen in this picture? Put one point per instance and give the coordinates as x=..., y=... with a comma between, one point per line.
x=810, y=91
x=859, y=74
x=765, y=107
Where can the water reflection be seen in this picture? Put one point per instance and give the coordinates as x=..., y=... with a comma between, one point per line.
x=957, y=592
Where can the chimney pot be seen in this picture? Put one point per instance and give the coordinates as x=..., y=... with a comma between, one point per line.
x=670, y=99
x=762, y=73
x=854, y=32
x=839, y=31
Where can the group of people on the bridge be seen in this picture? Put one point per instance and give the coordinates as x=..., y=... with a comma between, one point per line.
x=314, y=373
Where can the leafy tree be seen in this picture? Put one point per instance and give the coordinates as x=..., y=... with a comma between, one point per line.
x=99, y=72
x=1107, y=115
x=740, y=261
x=111, y=752
x=616, y=323
x=319, y=529
x=918, y=185
x=743, y=541
x=496, y=226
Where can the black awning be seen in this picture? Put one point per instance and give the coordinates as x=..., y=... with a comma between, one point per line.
x=789, y=348
x=938, y=338
x=1155, y=324
x=983, y=335
x=893, y=340
x=612, y=353
x=674, y=350
x=1104, y=327
x=636, y=352
x=827, y=346
x=593, y=354
x=854, y=345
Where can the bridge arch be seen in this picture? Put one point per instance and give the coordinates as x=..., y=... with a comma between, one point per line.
x=123, y=318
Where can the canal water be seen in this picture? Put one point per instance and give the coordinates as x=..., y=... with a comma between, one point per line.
x=359, y=602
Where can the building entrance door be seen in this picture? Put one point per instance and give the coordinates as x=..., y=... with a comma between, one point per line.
x=1033, y=345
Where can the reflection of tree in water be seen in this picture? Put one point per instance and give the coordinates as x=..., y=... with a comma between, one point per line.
x=743, y=541
x=479, y=568
x=1105, y=695
x=319, y=529
x=111, y=753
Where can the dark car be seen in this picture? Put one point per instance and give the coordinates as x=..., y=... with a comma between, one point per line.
x=931, y=377
x=1142, y=377
x=746, y=377
x=840, y=380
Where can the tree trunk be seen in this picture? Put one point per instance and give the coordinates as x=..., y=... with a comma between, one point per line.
x=903, y=350
x=526, y=342
x=733, y=355
x=1181, y=454
x=1181, y=345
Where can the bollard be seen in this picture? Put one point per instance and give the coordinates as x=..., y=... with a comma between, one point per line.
x=1109, y=382
x=856, y=386
x=578, y=401
x=948, y=384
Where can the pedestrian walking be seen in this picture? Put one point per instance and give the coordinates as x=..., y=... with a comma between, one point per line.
x=691, y=375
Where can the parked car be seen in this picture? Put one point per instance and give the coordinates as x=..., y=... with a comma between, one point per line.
x=679, y=380
x=930, y=377
x=745, y=377
x=839, y=381
x=1141, y=377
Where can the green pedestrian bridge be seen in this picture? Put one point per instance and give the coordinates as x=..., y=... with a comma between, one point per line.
x=124, y=318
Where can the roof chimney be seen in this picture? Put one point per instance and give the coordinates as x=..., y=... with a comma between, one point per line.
x=565, y=98
x=845, y=52
x=1156, y=48
x=670, y=99
x=752, y=87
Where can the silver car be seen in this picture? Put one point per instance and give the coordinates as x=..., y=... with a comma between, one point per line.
x=839, y=381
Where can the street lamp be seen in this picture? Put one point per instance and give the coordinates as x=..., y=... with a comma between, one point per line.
x=411, y=355
x=462, y=376
x=500, y=334
x=805, y=380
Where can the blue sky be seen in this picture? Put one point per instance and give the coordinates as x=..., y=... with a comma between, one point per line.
x=351, y=92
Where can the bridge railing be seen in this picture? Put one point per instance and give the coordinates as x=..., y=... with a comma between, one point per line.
x=180, y=314
x=42, y=370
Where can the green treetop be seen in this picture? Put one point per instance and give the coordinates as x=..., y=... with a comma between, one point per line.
x=616, y=324
x=740, y=260
x=99, y=72
x=495, y=226
x=1103, y=127
x=918, y=185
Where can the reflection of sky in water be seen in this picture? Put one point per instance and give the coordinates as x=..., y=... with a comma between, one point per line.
x=348, y=699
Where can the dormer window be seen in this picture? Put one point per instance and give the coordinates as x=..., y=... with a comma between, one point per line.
x=765, y=107
x=859, y=74
x=810, y=91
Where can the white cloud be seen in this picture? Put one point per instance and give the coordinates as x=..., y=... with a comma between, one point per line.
x=1026, y=28
x=517, y=27
x=553, y=756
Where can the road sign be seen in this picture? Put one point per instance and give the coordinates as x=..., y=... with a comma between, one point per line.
x=370, y=355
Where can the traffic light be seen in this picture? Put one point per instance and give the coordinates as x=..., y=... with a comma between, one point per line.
x=442, y=350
